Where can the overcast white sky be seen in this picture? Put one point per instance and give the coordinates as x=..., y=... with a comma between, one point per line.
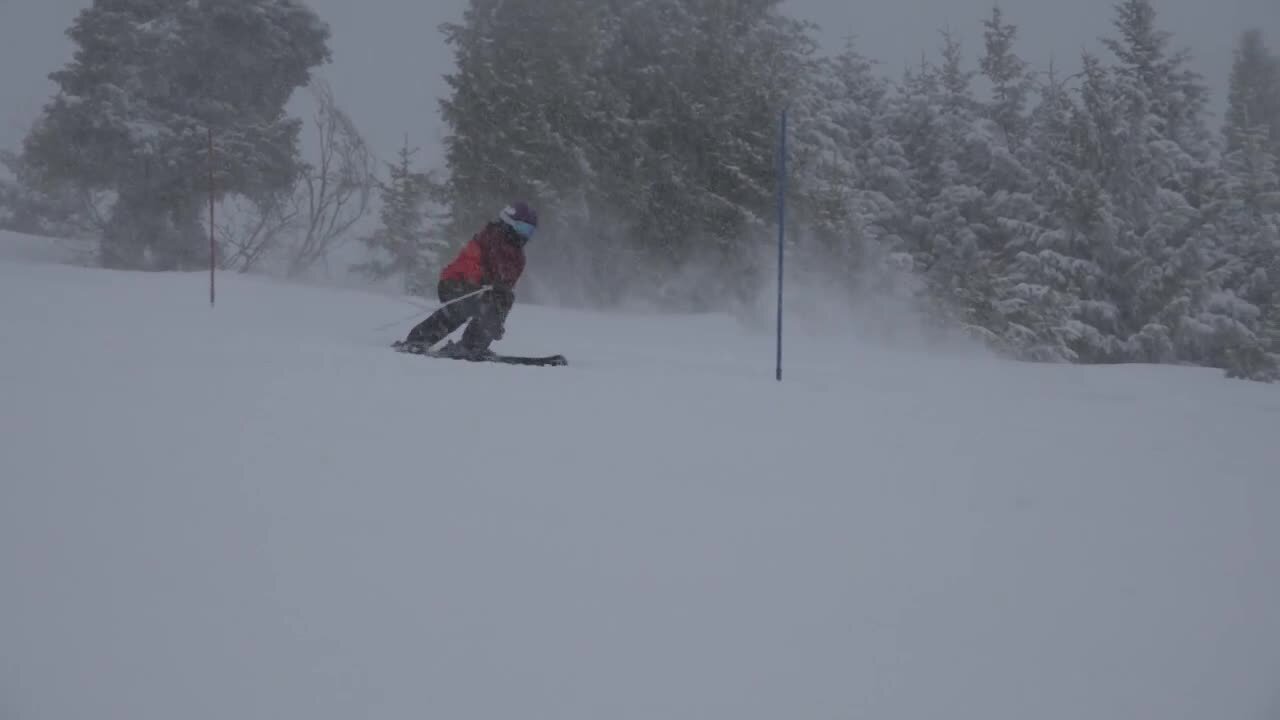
x=388, y=57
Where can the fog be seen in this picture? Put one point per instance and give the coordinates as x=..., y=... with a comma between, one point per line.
x=389, y=59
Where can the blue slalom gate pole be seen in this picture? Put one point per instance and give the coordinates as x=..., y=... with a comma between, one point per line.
x=782, y=224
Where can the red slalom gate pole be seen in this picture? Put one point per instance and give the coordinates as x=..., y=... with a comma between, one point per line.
x=212, y=244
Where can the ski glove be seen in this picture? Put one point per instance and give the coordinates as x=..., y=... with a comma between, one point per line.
x=504, y=296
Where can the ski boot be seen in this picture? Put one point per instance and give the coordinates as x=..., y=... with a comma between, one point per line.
x=413, y=348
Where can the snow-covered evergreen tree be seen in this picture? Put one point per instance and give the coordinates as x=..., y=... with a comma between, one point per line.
x=1247, y=222
x=408, y=242
x=849, y=176
x=1091, y=219
x=1254, y=96
x=522, y=112
x=1027, y=314
x=1009, y=77
x=645, y=123
x=1175, y=93
x=1045, y=269
x=536, y=112
x=969, y=190
x=133, y=108
x=1073, y=153
x=1160, y=178
x=703, y=83
x=915, y=125
x=963, y=272
x=55, y=210
x=1270, y=342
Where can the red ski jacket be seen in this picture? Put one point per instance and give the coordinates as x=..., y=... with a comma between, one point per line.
x=489, y=258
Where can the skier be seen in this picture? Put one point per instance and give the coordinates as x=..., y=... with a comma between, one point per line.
x=479, y=286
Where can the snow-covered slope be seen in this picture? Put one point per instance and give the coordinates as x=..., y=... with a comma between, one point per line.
x=259, y=512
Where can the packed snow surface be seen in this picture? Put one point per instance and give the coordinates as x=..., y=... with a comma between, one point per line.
x=259, y=512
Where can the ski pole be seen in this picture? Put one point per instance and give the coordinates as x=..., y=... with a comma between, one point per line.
x=402, y=321
x=458, y=299
x=471, y=294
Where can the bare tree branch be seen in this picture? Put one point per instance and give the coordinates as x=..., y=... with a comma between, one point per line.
x=254, y=230
x=336, y=192
x=301, y=226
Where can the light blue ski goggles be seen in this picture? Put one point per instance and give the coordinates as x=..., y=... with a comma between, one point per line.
x=523, y=229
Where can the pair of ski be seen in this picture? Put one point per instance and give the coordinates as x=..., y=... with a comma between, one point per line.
x=453, y=351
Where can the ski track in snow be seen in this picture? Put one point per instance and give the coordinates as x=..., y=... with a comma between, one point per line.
x=260, y=511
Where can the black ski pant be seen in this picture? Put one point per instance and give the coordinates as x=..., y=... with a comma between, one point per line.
x=487, y=312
